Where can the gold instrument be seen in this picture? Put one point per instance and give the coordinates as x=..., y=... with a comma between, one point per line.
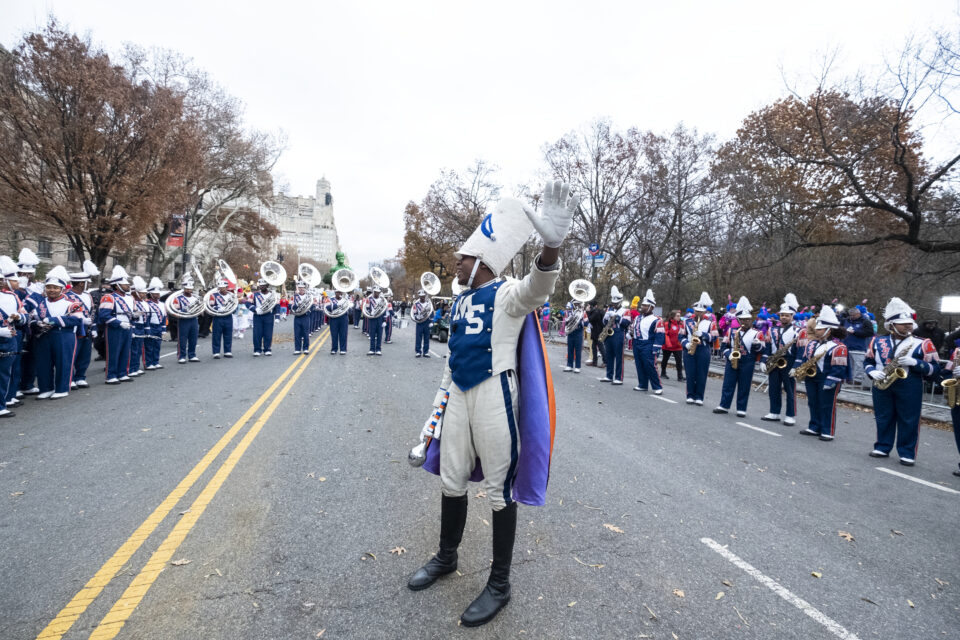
x=611, y=323
x=692, y=345
x=951, y=386
x=779, y=358
x=735, y=353
x=893, y=371
x=809, y=368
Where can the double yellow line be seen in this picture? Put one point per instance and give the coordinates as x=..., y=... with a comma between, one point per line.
x=114, y=620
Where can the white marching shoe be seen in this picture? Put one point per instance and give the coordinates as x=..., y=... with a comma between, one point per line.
x=772, y=417
x=59, y=395
x=789, y=421
x=44, y=395
x=568, y=368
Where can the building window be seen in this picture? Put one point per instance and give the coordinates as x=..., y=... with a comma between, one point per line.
x=44, y=249
x=72, y=255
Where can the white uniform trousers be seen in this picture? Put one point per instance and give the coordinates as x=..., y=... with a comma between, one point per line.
x=482, y=422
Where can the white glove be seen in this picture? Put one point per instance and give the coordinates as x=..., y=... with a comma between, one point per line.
x=124, y=325
x=46, y=321
x=5, y=332
x=558, y=209
x=849, y=329
x=792, y=371
x=907, y=361
x=730, y=356
x=94, y=334
x=87, y=321
x=876, y=374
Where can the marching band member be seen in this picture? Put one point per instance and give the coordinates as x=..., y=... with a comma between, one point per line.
x=422, y=315
x=616, y=317
x=740, y=347
x=827, y=359
x=301, y=323
x=339, y=321
x=137, y=354
x=222, y=329
x=365, y=324
x=573, y=326
x=57, y=319
x=388, y=317
x=897, y=363
x=88, y=332
x=115, y=314
x=355, y=313
x=478, y=396
x=648, y=338
x=783, y=338
x=30, y=293
x=262, y=322
x=12, y=321
x=952, y=370
x=374, y=309
x=696, y=355
x=156, y=323
x=188, y=328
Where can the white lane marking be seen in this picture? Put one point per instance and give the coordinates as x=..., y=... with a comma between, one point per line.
x=167, y=355
x=750, y=426
x=917, y=480
x=665, y=399
x=832, y=626
x=434, y=353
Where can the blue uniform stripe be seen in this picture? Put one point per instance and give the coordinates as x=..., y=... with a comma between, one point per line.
x=508, y=404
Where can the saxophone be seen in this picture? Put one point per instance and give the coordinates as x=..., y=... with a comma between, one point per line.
x=779, y=359
x=893, y=371
x=809, y=368
x=735, y=350
x=608, y=328
x=951, y=386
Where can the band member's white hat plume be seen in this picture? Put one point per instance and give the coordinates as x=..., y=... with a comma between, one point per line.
x=499, y=237
x=744, y=308
x=186, y=282
x=897, y=311
x=790, y=304
x=90, y=269
x=156, y=286
x=118, y=276
x=615, y=295
x=704, y=302
x=8, y=267
x=649, y=299
x=827, y=318
x=27, y=261
x=139, y=284
x=58, y=276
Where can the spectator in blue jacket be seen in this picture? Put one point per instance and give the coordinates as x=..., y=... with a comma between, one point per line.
x=859, y=330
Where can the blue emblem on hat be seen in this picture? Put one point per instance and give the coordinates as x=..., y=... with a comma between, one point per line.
x=486, y=227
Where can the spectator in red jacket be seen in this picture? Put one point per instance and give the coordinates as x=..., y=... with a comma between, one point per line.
x=671, y=345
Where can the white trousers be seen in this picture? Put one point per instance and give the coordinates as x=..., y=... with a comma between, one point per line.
x=481, y=422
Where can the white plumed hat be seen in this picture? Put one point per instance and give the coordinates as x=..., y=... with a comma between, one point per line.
x=8, y=267
x=58, y=276
x=744, y=308
x=186, y=282
x=90, y=269
x=28, y=261
x=704, y=302
x=827, y=318
x=790, y=304
x=118, y=275
x=615, y=294
x=897, y=311
x=649, y=299
x=500, y=235
x=156, y=285
x=139, y=284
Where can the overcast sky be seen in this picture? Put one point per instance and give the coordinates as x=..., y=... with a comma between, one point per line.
x=380, y=96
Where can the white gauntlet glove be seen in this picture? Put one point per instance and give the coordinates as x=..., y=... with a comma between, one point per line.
x=87, y=321
x=558, y=209
x=876, y=374
x=124, y=325
x=907, y=361
x=5, y=332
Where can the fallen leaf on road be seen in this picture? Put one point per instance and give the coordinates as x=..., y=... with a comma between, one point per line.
x=816, y=574
x=367, y=553
x=322, y=479
x=942, y=583
x=741, y=616
x=726, y=583
x=870, y=601
x=485, y=522
x=145, y=429
x=613, y=528
x=309, y=605
x=845, y=535
x=653, y=616
x=320, y=633
x=909, y=602
x=16, y=494
x=180, y=562
x=719, y=595
x=572, y=603
x=679, y=593
x=481, y=494
x=311, y=475
x=896, y=533
x=595, y=566
x=183, y=513
x=398, y=550
x=674, y=636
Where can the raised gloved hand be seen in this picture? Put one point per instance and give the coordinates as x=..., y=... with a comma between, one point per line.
x=557, y=213
x=908, y=361
x=876, y=374
x=5, y=332
x=124, y=325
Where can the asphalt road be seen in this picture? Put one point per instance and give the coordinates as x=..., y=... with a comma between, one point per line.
x=210, y=501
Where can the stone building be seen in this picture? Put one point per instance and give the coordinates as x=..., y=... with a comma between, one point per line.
x=307, y=224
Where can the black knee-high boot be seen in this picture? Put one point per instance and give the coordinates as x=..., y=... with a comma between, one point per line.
x=496, y=594
x=453, y=517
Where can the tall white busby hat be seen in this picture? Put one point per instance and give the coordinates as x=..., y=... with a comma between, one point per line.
x=500, y=235
x=186, y=282
x=139, y=284
x=827, y=318
x=8, y=267
x=261, y=282
x=118, y=276
x=790, y=304
x=897, y=311
x=156, y=285
x=90, y=269
x=28, y=261
x=58, y=276
x=222, y=282
x=79, y=276
x=615, y=295
x=704, y=302
x=744, y=308
x=649, y=299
